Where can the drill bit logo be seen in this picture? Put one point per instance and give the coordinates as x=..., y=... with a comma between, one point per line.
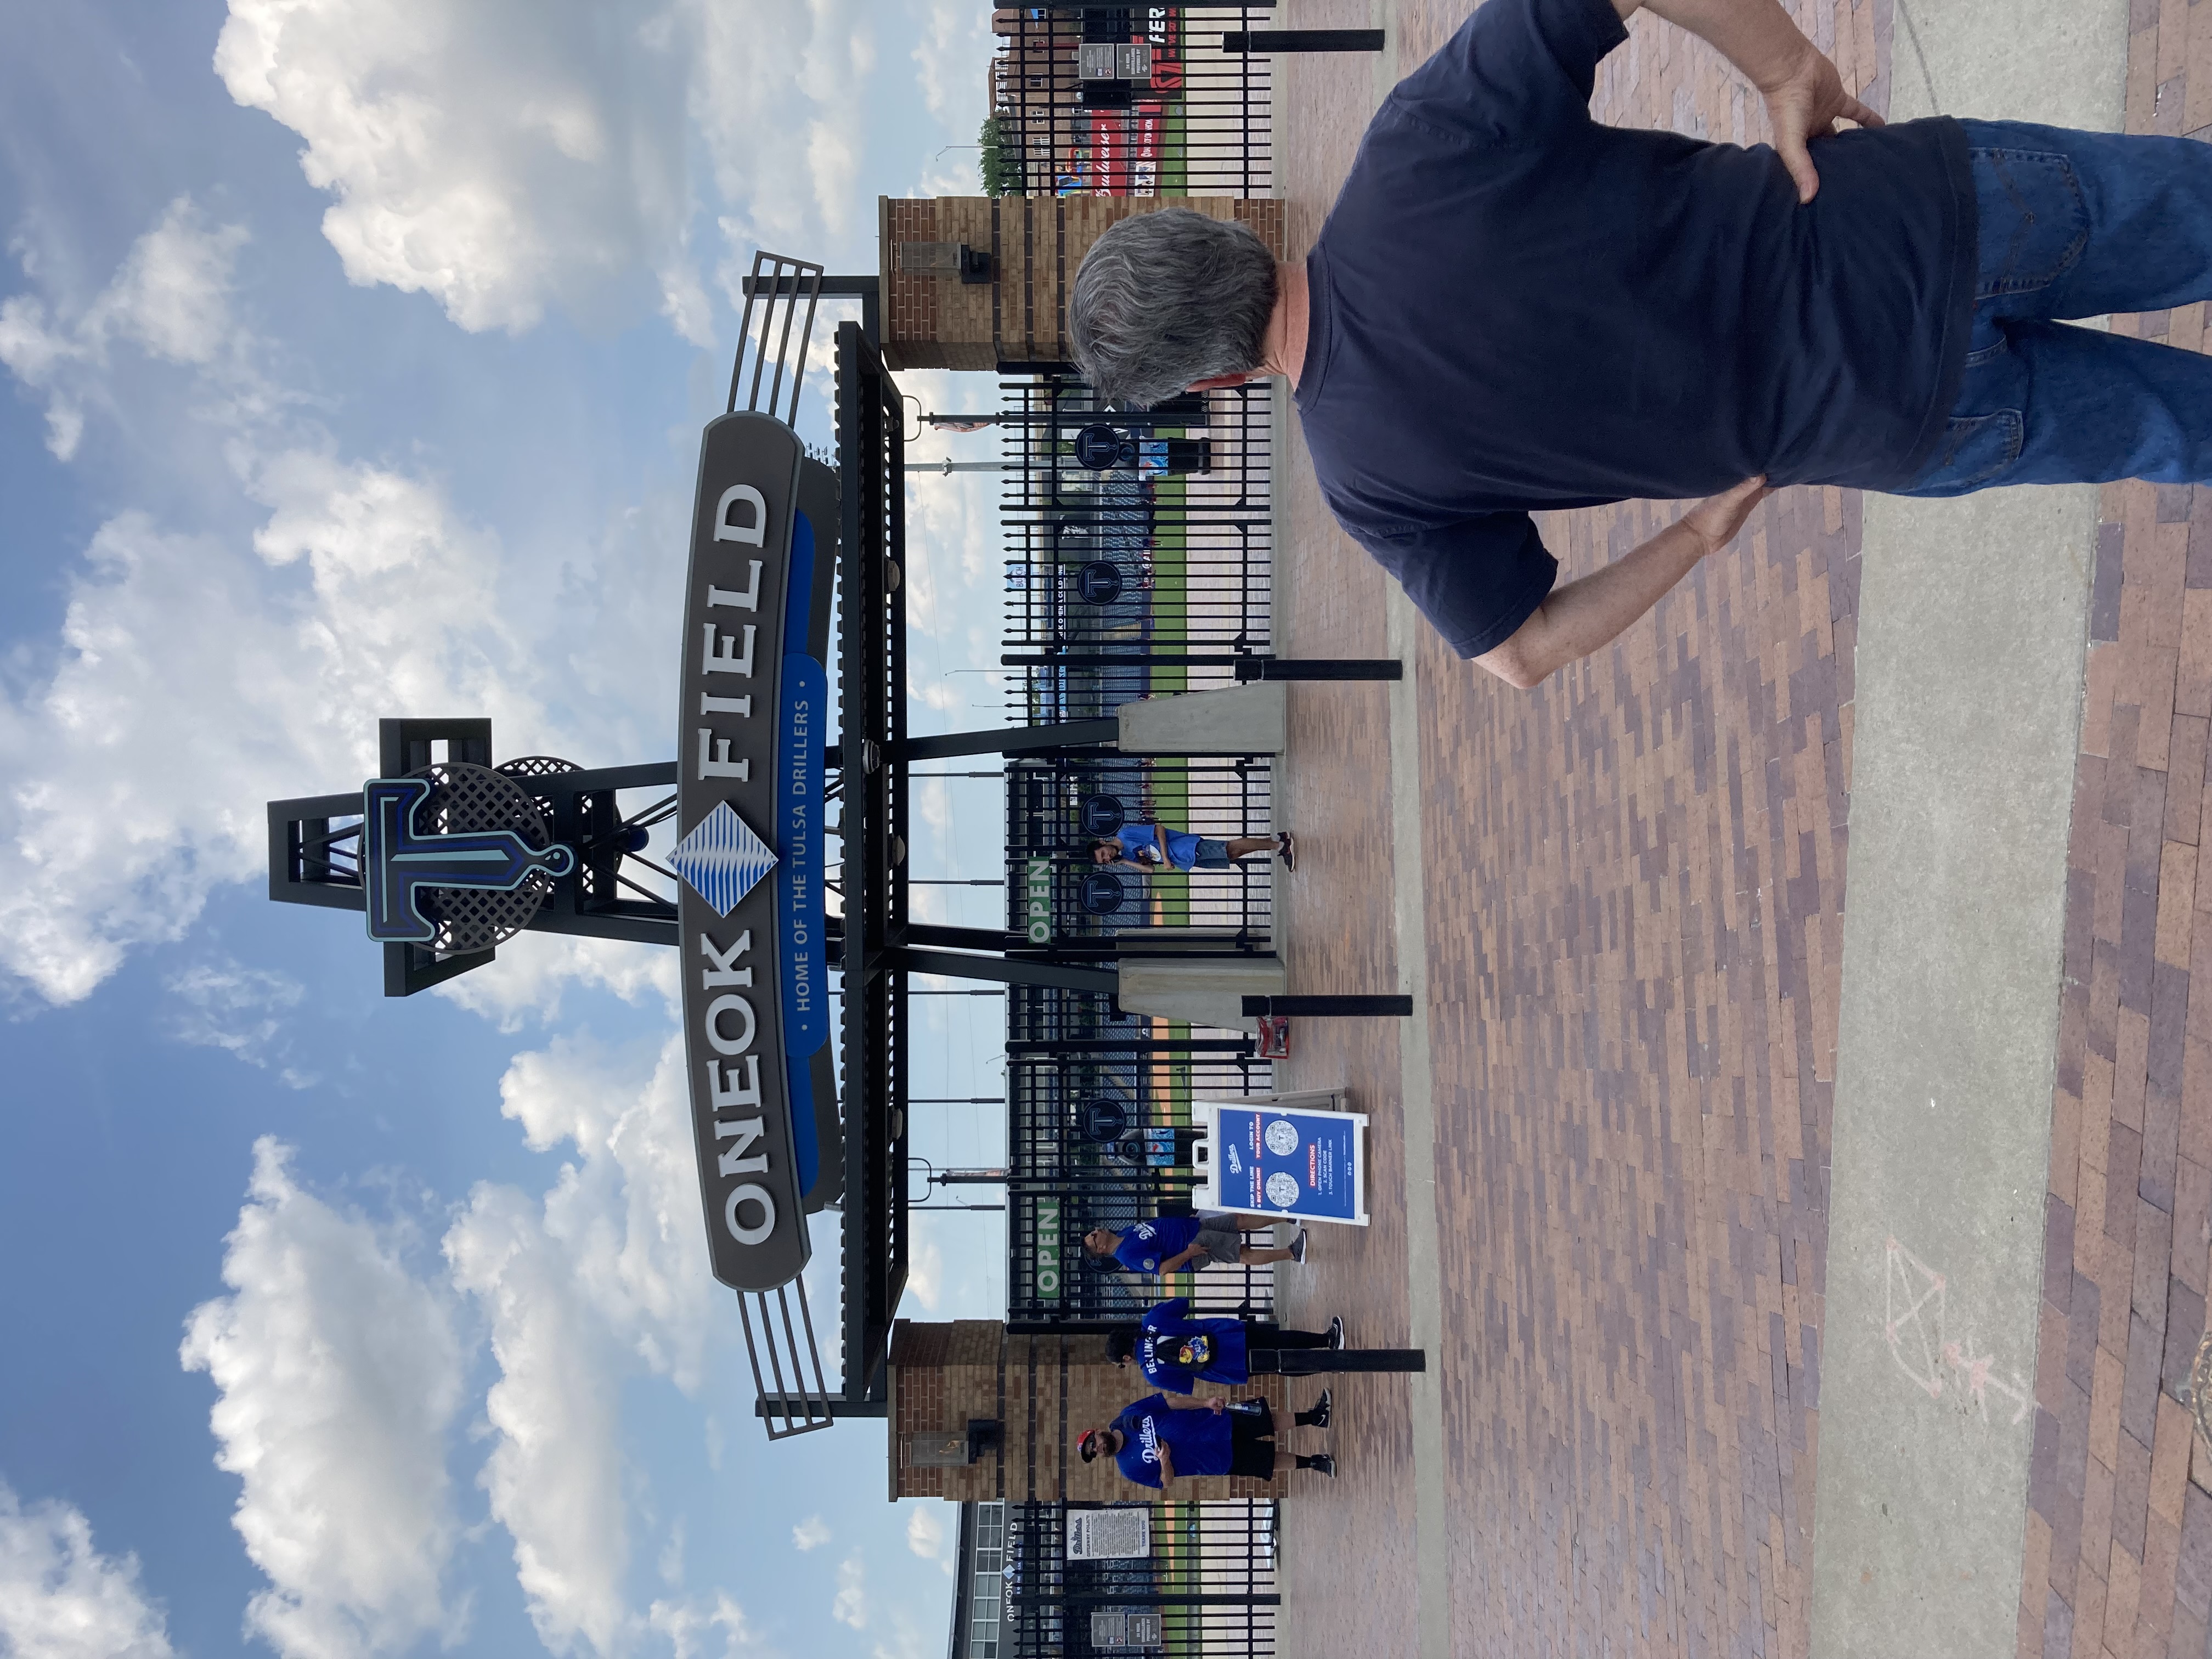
x=398, y=864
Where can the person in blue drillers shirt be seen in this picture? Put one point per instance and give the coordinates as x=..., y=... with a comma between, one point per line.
x=1174, y=1349
x=1512, y=308
x=1170, y=1243
x=1155, y=1443
x=1157, y=845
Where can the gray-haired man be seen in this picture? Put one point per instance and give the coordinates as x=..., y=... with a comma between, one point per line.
x=1512, y=308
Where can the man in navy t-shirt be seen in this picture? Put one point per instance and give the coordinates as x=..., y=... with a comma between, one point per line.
x=1514, y=308
x=1154, y=1443
x=1170, y=1243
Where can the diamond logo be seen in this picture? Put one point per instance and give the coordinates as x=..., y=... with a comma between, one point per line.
x=722, y=859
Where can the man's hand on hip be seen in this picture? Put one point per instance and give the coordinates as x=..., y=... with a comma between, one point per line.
x=1805, y=106
x=1718, y=518
x=1805, y=96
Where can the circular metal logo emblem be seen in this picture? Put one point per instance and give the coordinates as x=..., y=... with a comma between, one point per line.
x=465, y=797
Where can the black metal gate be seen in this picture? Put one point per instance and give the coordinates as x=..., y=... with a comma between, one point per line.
x=1207, y=1587
x=1059, y=809
x=1139, y=546
x=1098, y=1133
x=1131, y=100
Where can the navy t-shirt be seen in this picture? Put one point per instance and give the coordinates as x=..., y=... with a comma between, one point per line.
x=1172, y=1348
x=1145, y=1245
x=1197, y=1438
x=1516, y=308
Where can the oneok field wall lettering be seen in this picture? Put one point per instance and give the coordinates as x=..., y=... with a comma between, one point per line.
x=755, y=1009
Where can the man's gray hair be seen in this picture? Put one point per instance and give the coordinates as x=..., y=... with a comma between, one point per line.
x=1165, y=299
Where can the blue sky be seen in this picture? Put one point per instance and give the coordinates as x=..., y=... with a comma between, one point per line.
x=353, y=354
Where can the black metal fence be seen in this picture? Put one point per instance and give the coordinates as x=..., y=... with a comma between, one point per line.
x=1059, y=809
x=1138, y=547
x=1206, y=1587
x=1098, y=1134
x=1135, y=100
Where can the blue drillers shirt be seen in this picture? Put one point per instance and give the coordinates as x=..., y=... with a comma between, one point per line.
x=1145, y=1245
x=1197, y=1440
x=1169, y=1330
x=1516, y=309
x=1180, y=848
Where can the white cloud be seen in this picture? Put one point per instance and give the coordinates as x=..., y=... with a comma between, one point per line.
x=338, y=1373
x=60, y=1598
x=925, y=1533
x=833, y=159
x=779, y=174
x=810, y=1534
x=925, y=1271
x=599, y=1279
x=198, y=676
x=535, y=969
x=194, y=682
x=851, y=1604
x=238, y=1009
x=907, y=1640
x=954, y=580
x=516, y=155
x=170, y=295
x=498, y=156
x=951, y=54
x=685, y=1623
x=554, y=1473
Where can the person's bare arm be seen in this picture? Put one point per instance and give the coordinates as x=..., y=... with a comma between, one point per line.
x=1805, y=96
x=1179, y=1260
x=1575, y=620
x=1167, y=1464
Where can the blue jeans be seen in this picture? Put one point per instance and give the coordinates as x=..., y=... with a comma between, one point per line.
x=2078, y=224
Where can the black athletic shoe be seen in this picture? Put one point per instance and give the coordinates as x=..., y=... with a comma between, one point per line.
x=1322, y=1463
x=1287, y=849
x=1318, y=1417
x=1299, y=1247
x=1336, y=1332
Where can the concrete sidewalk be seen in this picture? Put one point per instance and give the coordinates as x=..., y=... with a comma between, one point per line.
x=1952, y=963
x=1621, y=902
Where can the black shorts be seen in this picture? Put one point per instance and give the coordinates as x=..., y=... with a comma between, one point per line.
x=1252, y=1443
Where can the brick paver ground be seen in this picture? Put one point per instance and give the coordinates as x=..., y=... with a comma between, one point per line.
x=1635, y=878
x=2120, y=1535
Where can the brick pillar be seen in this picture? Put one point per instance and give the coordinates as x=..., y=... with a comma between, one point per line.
x=1035, y=245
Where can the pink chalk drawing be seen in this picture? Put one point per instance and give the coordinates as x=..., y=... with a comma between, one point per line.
x=1916, y=1323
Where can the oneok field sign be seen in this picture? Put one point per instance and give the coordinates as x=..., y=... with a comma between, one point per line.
x=754, y=708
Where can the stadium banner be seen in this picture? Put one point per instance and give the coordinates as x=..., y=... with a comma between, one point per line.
x=753, y=713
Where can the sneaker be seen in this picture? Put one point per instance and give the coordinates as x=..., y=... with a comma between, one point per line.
x=1322, y=1463
x=1299, y=1247
x=1336, y=1332
x=1287, y=849
x=1318, y=1418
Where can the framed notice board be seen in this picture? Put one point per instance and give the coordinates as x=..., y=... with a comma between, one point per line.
x=1268, y=1159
